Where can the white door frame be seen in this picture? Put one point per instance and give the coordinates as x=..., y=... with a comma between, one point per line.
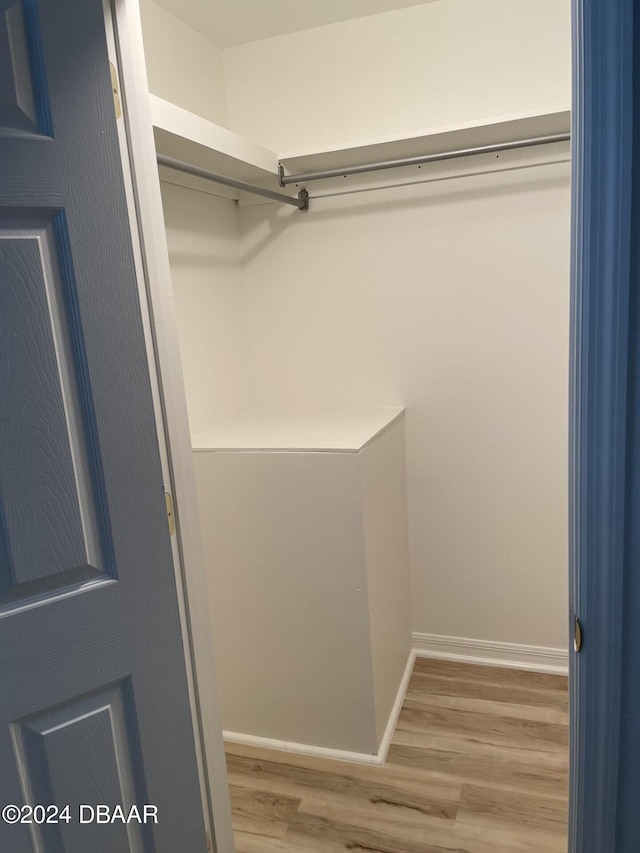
x=124, y=32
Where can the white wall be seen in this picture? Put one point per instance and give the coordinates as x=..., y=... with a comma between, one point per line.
x=283, y=534
x=203, y=238
x=386, y=545
x=451, y=299
x=443, y=63
x=183, y=66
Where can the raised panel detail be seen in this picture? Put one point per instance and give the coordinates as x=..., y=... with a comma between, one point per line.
x=49, y=532
x=18, y=108
x=80, y=754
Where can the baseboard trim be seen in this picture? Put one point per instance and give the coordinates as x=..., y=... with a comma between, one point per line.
x=375, y=760
x=303, y=748
x=488, y=653
x=480, y=652
x=392, y=722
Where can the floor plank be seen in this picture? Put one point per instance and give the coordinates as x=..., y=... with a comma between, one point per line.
x=544, y=812
x=489, y=728
x=322, y=782
x=501, y=709
x=262, y=813
x=478, y=763
x=492, y=675
x=497, y=691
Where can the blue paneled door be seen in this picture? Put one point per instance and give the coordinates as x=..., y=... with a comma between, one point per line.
x=94, y=706
x=605, y=434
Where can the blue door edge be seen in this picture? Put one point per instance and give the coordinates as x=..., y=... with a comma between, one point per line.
x=601, y=348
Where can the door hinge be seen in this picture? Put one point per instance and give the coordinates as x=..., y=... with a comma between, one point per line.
x=577, y=635
x=170, y=516
x=117, y=105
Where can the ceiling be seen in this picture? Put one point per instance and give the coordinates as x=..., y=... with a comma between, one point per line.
x=231, y=22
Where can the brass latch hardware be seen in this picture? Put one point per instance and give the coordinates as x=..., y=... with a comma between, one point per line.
x=577, y=637
x=117, y=105
x=170, y=516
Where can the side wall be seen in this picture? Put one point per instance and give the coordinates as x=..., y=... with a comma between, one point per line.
x=183, y=66
x=204, y=243
x=386, y=546
x=450, y=298
x=289, y=602
x=446, y=62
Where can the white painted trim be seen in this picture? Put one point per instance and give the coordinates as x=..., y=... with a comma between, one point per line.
x=303, y=749
x=142, y=155
x=376, y=760
x=145, y=313
x=478, y=652
x=490, y=653
x=385, y=743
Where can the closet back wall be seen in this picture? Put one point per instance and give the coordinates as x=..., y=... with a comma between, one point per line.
x=449, y=298
x=183, y=66
x=446, y=62
x=204, y=250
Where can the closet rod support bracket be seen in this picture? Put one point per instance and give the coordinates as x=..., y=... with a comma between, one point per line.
x=303, y=195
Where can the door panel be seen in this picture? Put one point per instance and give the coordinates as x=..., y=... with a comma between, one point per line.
x=44, y=462
x=93, y=697
x=18, y=98
x=53, y=749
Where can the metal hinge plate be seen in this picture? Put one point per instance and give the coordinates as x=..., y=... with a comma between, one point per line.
x=170, y=516
x=577, y=636
x=117, y=105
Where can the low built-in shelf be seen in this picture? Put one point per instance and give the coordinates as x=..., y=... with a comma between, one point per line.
x=307, y=561
x=432, y=141
x=346, y=430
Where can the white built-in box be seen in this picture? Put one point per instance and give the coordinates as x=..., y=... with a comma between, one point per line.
x=305, y=532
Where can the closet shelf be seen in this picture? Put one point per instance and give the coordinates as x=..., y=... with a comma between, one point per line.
x=182, y=135
x=433, y=141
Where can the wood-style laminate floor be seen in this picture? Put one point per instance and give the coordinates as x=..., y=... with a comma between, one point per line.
x=478, y=764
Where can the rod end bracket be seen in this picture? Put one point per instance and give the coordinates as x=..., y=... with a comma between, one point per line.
x=281, y=175
x=303, y=199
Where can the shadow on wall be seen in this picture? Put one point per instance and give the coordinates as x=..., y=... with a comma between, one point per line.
x=278, y=219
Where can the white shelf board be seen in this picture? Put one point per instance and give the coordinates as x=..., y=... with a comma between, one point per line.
x=189, y=137
x=345, y=430
x=196, y=140
x=435, y=140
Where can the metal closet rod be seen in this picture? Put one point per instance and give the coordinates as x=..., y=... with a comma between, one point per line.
x=305, y=177
x=301, y=201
